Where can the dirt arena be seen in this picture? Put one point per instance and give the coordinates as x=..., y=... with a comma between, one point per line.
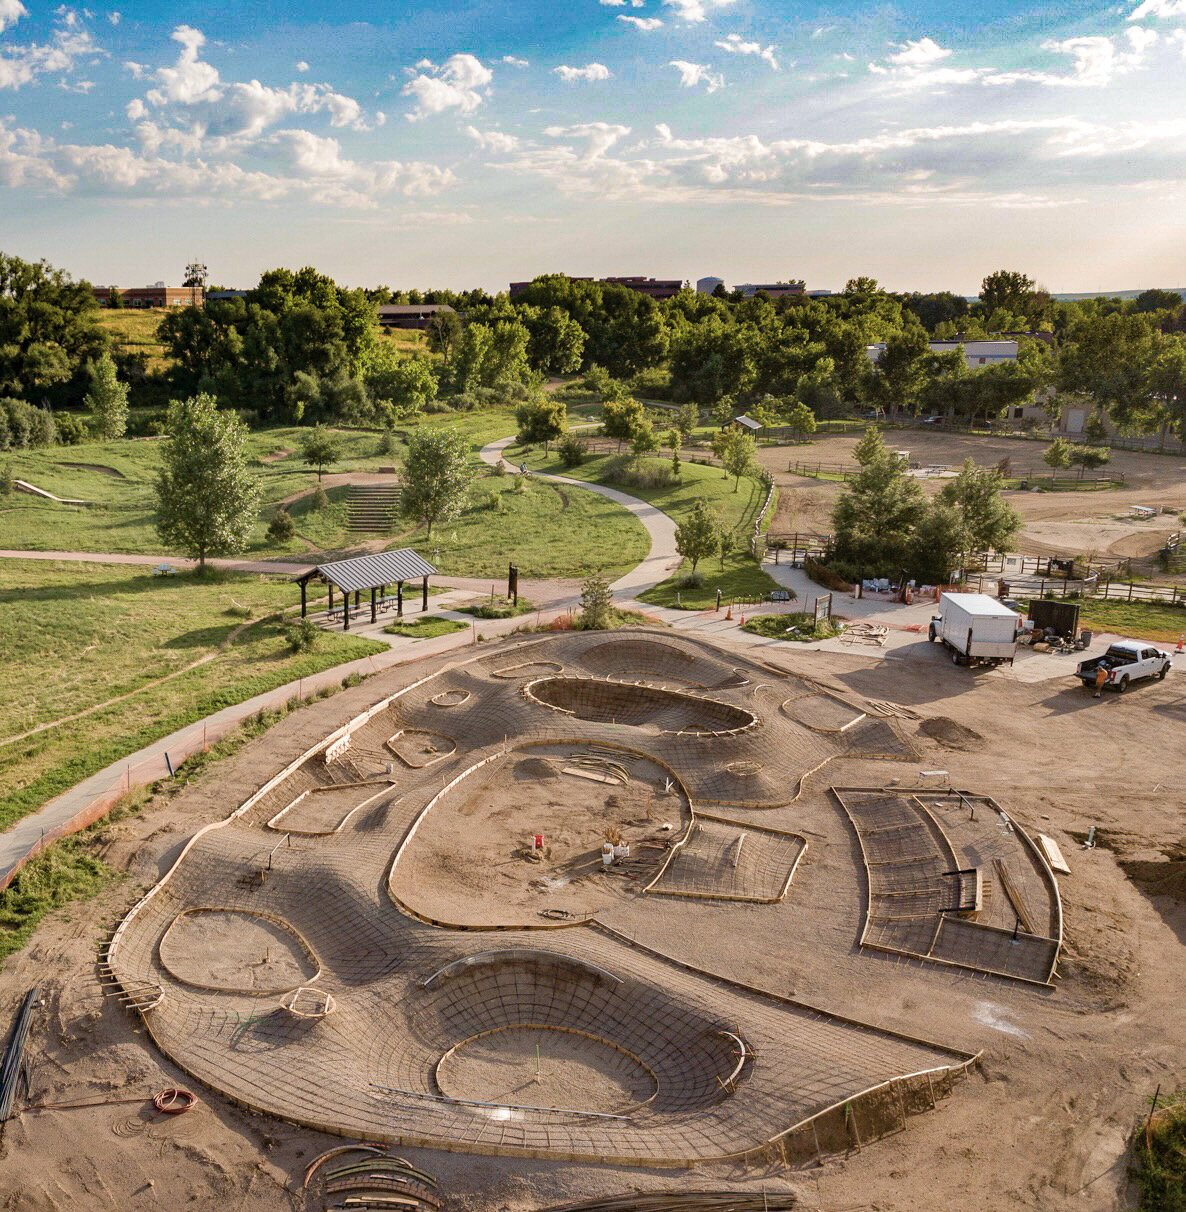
x=1054, y=523
x=1064, y=1069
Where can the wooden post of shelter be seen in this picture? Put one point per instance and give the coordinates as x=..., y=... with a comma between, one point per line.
x=424, y=598
x=399, y=600
x=331, y=596
x=374, y=615
x=304, y=603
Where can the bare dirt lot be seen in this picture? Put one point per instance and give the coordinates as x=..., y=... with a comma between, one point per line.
x=1042, y=1121
x=1054, y=523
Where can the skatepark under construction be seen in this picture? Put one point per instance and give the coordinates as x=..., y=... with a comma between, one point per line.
x=448, y=922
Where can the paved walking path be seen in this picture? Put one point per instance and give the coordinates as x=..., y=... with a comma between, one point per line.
x=663, y=559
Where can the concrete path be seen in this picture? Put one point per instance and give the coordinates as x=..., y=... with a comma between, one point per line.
x=663, y=559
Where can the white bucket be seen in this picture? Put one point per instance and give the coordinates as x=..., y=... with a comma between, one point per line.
x=607, y=855
x=622, y=850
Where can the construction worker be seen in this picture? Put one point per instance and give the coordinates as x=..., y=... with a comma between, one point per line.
x=1101, y=680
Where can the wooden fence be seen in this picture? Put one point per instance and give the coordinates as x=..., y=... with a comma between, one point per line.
x=1016, y=478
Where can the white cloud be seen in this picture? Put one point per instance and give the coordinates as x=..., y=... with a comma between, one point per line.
x=115, y=18
x=697, y=10
x=460, y=83
x=492, y=140
x=922, y=53
x=1178, y=39
x=302, y=66
x=692, y=74
x=646, y=24
x=511, y=61
x=21, y=64
x=590, y=72
x=736, y=45
x=622, y=3
x=190, y=79
x=1158, y=8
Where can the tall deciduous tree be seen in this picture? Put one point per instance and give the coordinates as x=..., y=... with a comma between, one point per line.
x=738, y=454
x=697, y=536
x=206, y=496
x=900, y=373
x=442, y=333
x=108, y=399
x=989, y=521
x=437, y=473
x=542, y=418
x=1057, y=454
x=1007, y=290
x=875, y=519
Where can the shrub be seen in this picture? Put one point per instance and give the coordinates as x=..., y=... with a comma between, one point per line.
x=499, y=468
x=647, y=474
x=6, y=481
x=520, y=485
x=281, y=528
x=386, y=442
x=572, y=450
x=319, y=500
x=826, y=576
x=492, y=499
x=302, y=635
x=72, y=429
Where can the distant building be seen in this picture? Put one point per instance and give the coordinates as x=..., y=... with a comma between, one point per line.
x=705, y=286
x=409, y=315
x=224, y=296
x=156, y=295
x=744, y=422
x=776, y=290
x=655, y=288
x=976, y=353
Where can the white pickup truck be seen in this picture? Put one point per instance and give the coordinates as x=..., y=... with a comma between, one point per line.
x=1125, y=662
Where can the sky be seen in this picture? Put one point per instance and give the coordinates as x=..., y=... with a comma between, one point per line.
x=470, y=143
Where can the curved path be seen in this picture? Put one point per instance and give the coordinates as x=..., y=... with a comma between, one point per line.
x=663, y=559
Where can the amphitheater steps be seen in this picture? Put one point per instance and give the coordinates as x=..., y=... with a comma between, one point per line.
x=372, y=508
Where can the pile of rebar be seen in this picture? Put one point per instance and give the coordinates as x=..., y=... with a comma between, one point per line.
x=13, y=1065
x=382, y=1182
x=688, y=1201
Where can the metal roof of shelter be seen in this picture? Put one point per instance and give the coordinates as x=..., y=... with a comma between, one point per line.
x=373, y=571
x=747, y=421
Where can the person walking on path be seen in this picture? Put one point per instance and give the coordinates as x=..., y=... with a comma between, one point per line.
x=1101, y=679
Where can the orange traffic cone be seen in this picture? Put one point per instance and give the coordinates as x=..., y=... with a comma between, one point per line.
x=1181, y=647
x=742, y=623
x=729, y=613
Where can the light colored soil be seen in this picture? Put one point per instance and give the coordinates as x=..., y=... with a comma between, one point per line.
x=472, y=860
x=1054, y=523
x=1065, y=1076
x=534, y=1067
x=238, y=952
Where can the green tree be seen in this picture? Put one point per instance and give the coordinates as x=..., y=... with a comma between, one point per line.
x=437, y=473
x=597, y=602
x=1089, y=458
x=1007, y=290
x=900, y=372
x=1058, y=454
x=542, y=418
x=697, y=536
x=673, y=438
x=1167, y=378
x=645, y=440
x=206, y=496
x=622, y=418
x=938, y=543
x=862, y=286
x=320, y=449
x=990, y=523
x=802, y=420
x=557, y=341
x=442, y=333
x=115, y=299
x=738, y=454
x=875, y=518
x=398, y=386
x=108, y=399
x=686, y=420
x=49, y=335
x=726, y=542
x=281, y=528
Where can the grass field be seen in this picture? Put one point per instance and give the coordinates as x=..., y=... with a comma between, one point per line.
x=79, y=636
x=1137, y=620
x=133, y=330
x=427, y=628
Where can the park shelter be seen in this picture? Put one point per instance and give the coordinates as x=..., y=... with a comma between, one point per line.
x=377, y=573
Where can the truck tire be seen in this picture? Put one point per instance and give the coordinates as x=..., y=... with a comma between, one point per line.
x=1163, y=671
x=931, y=634
x=1122, y=685
x=956, y=659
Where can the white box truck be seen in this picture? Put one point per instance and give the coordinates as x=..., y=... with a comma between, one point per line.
x=977, y=628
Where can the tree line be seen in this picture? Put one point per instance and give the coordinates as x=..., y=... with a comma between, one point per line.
x=299, y=348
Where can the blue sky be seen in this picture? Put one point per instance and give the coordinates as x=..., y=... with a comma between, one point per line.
x=469, y=142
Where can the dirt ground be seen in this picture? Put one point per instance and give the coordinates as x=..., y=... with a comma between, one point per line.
x=1054, y=523
x=1042, y=1122
x=495, y=876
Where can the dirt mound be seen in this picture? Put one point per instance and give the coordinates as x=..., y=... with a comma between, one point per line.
x=1167, y=878
x=530, y=769
x=947, y=732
